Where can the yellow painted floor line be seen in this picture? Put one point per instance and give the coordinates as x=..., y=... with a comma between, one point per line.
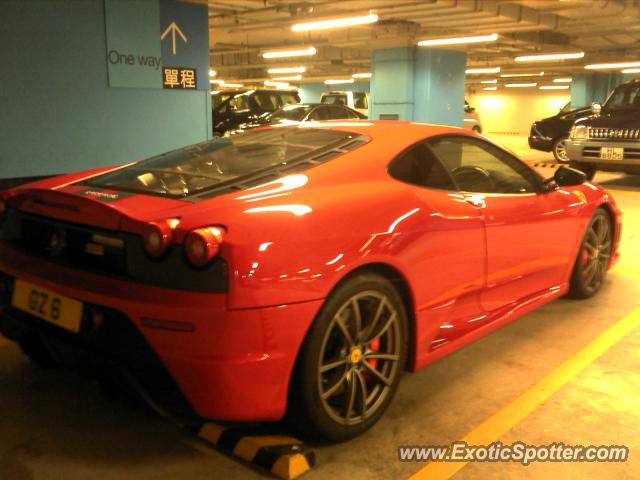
x=505, y=419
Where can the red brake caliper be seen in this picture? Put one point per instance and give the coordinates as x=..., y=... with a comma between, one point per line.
x=374, y=346
x=585, y=257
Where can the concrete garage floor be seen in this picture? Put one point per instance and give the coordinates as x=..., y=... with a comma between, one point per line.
x=54, y=425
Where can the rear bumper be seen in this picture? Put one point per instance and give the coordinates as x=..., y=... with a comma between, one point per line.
x=228, y=364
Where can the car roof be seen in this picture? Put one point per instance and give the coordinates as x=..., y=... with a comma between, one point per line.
x=244, y=90
x=395, y=131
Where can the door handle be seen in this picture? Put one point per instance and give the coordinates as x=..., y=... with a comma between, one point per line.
x=476, y=202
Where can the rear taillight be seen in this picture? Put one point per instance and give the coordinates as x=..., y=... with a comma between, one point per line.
x=203, y=244
x=157, y=237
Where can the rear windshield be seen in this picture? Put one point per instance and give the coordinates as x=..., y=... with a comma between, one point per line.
x=625, y=96
x=290, y=112
x=339, y=99
x=234, y=162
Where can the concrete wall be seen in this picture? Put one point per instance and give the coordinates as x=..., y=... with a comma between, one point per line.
x=512, y=111
x=57, y=112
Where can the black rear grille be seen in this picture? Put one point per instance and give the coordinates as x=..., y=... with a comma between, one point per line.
x=594, y=152
x=68, y=243
x=118, y=254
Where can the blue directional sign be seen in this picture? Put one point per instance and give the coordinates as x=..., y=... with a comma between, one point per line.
x=157, y=44
x=184, y=30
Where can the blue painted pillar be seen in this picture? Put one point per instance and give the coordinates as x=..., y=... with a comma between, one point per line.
x=392, y=83
x=590, y=87
x=310, y=92
x=421, y=84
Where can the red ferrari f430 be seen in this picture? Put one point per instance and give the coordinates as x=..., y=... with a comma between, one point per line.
x=293, y=270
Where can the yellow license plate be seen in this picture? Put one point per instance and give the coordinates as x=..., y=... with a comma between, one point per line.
x=62, y=311
x=612, y=153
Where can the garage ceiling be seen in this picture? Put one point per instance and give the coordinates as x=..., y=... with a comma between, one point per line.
x=240, y=30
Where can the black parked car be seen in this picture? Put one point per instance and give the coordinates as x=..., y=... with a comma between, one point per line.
x=303, y=112
x=232, y=108
x=550, y=134
x=609, y=139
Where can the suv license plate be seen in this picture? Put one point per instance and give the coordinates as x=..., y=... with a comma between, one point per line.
x=612, y=153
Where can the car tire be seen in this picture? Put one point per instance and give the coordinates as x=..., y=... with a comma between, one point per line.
x=588, y=169
x=32, y=347
x=350, y=363
x=559, y=150
x=593, y=257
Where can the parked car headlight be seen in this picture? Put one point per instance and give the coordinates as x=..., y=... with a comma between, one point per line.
x=579, y=132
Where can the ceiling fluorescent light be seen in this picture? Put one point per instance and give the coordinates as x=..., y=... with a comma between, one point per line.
x=269, y=83
x=290, y=53
x=458, y=40
x=287, y=70
x=483, y=70
x=212, y=72
x=489, y=81
x=362, y=75
x=520, y=85
x=338, y=81
x=549, y=56
x=604, y=66
x=562, y=80
x=631, y=70
x=216, y=82
x=513, y=75
x=335, y=23
x=231, y=85
x=213, y=92
x=490, y=88
x=554, y=87
x=286, y=79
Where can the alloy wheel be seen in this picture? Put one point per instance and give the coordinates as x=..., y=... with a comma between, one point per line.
x=560, y=150
x=596, y=251
x=359, y=358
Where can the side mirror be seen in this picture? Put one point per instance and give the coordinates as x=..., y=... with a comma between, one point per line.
x=569, y=177
x=596, y=108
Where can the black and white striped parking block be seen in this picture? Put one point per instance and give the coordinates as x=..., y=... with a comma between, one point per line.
x=285, y=457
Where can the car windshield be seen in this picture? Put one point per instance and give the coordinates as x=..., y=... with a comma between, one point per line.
x=229, y=162
x=625, y=96
x=339, y=99
x=295, y=113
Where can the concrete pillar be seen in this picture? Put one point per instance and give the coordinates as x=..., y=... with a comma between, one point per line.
x=590, y=87
x=310, y=92
x=421, y=84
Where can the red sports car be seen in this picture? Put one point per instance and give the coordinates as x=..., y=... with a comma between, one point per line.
x=293, y=270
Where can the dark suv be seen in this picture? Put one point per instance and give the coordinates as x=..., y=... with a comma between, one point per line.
x=232, y=108
x=550, y=134
x=609, y=139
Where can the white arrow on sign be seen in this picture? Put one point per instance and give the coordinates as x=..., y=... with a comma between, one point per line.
x=173, y=28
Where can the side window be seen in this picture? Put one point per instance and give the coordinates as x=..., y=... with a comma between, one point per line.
x=321, y=113
x=479, y=167
x=350, y=114
x=288, y=99
x=266, y=101
x=337, y=113
x=237, y=103
x=418, y=166
x=359, y=100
